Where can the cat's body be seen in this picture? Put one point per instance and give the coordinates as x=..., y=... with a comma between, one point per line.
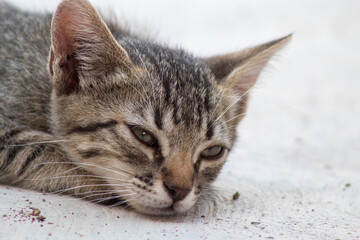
x=123, y=120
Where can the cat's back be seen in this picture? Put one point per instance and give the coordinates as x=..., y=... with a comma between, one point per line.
x=24, y=38
x=24, y=83
x=22, y=31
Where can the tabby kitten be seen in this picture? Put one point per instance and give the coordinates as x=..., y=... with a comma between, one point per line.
x=113, y=117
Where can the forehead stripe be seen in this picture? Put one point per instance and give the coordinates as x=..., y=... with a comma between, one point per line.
x=93, y=127
x=158, y=118
x=210, y=130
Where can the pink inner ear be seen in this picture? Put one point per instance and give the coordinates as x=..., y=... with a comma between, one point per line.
x=82, y=45
x=248, y=77
x=62, y=31
x=63, y=49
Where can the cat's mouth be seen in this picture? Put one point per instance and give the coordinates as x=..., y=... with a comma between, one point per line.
x=174, y=207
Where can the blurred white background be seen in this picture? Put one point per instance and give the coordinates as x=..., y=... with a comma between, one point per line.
x=300, y=143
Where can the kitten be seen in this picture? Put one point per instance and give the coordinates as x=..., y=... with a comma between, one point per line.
x=113, y=117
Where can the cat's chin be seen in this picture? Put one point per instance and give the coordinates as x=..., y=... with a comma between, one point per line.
x=174, y=209
x=157, y=211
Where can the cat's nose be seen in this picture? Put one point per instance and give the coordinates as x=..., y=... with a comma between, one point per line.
x=175, y=192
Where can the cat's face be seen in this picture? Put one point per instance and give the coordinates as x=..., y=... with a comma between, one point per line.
x=156, y=124
x=158, y=140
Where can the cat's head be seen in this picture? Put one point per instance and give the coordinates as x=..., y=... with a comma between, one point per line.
x=155, y=123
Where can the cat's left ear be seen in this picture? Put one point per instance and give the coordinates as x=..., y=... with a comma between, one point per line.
x=237, y=72
x=83, y=49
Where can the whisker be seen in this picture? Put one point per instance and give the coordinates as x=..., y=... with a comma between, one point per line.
x=89, y=185
x=147, y=72
x=137, y=78
x=104, y=192
x=137, y=90
x=100, y=200
x=220, y=99
x=232, y=126
x=124, y=201
x=41, y=142
x=79, y=175
x=100, y=192
x=68, y=171
x=230, y=106
x=97, y=191
x=110, y=198
x=226, y=130
x=117, y=171
x=236, y=116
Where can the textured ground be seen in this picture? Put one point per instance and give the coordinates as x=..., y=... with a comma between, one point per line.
x=297, y=164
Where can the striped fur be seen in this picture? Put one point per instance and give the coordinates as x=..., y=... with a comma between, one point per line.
x=115, y=118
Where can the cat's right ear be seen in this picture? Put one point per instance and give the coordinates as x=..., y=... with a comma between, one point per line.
x=240, y=70
x=236, y=73
x=83, y=49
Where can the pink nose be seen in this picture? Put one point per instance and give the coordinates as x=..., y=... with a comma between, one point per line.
x=175, y=192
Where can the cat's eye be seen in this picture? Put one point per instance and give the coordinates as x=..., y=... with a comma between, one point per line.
x=144, y=136
x=213, y=152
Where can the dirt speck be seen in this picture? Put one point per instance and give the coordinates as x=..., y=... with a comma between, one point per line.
x=25, y=214
x=255, y=223
x=235, y=196
x=41, y=218
x=35, y=211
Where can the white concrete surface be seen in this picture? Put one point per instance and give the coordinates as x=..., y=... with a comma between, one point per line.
x=297, y=163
